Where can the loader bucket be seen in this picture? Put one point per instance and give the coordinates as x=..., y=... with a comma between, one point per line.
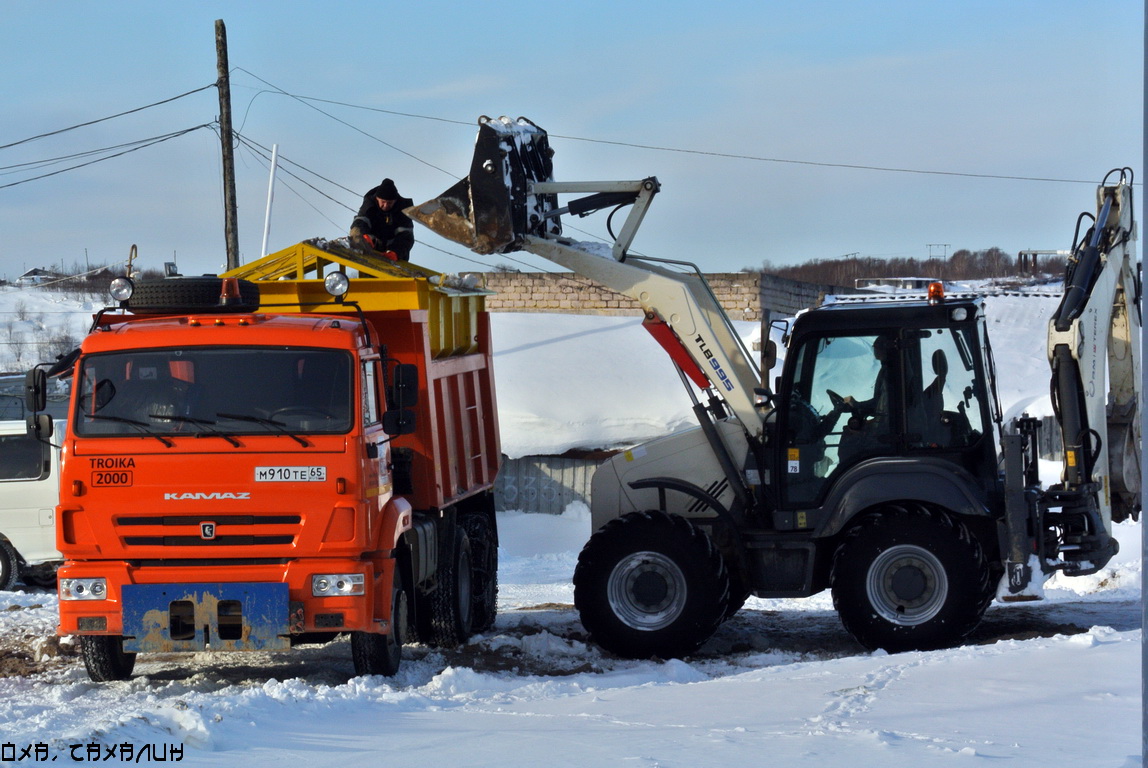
x=491, y=209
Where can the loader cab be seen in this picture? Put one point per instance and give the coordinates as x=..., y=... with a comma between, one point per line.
x=867, y=382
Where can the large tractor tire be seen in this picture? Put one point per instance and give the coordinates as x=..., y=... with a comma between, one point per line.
x=187, y=295
x=484, y=569
x=105, y=658
x=375, y=654
x=910, y=579
x=650, y=584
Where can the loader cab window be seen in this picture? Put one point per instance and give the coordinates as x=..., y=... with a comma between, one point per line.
x=943, y=401
x=215, y=391
x=841, y=410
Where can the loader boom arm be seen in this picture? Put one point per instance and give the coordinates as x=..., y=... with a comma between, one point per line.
x=509, y=203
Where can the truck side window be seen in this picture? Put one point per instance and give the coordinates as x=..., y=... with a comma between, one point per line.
x=22, y=458
x=371, y=408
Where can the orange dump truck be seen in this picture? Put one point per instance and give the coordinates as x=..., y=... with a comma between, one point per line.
x=300, y=448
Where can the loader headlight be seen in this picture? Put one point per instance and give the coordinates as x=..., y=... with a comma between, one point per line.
x=83, y=589
x=337, y=584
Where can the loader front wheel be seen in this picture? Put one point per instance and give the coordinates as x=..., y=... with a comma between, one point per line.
x=105, y=658
x=910, y=579
x=650, y=584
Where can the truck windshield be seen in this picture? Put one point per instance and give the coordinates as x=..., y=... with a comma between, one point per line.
x=215, y=392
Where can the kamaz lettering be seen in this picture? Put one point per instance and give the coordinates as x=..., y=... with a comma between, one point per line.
x=213, y=496
x=722, y=376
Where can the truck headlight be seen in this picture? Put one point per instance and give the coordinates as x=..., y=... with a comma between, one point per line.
x=337, y=584
x=83, y=589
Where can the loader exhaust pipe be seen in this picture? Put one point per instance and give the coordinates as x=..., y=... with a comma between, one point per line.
x=494, y=206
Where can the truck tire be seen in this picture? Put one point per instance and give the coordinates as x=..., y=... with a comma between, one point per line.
x=105, y=658
x=484, y=570
x=910, y=579
x=650, y=584
x=375, y=654
x=185, y=295
x=450, y=604
x=9, y=566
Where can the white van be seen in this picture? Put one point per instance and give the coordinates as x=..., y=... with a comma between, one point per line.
x=29, y=492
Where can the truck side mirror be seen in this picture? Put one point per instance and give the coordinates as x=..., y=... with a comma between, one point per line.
x=40, y=426
x=405, y=393
x=770, y=354
x=399, y=421
x=36, y=390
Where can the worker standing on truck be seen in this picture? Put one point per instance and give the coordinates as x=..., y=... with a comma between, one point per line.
x=381, y=223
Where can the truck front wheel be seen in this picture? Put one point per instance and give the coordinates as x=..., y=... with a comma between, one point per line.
x=376, y=654
x=650, y=584
x=909, y=579
x=105, y=658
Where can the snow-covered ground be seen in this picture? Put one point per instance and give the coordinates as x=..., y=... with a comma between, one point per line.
x=1039, y=684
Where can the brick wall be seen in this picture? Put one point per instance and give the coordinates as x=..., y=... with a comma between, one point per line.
x=743, y=295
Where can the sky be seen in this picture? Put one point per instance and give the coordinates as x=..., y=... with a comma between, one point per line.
x=780, y=132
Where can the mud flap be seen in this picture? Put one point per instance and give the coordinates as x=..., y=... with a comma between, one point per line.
x=194, y=617
x=491, y=209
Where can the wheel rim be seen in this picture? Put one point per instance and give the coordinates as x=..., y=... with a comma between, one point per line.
x=647, y=591
x=907, y=585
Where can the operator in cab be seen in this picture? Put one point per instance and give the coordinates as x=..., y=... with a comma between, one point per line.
x=381, y=224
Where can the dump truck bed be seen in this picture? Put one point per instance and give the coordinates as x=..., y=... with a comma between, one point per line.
x=421, y=317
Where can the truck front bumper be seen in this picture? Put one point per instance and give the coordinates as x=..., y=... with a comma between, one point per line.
x=222, y=616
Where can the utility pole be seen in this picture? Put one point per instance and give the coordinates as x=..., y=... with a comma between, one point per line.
x=230, y=215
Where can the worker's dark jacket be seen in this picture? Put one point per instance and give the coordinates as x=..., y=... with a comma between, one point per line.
x=391, y=230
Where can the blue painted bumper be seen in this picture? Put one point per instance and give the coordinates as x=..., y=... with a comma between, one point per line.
x=195, y=617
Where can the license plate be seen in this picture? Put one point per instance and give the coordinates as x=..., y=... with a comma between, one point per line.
x=290, y=474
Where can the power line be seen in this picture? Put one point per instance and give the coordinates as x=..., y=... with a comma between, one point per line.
x=344, y=122
x=103, y=119
x=149, y=143
x=709, y=153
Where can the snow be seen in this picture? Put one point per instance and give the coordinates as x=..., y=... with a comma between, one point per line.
x=1047, y=683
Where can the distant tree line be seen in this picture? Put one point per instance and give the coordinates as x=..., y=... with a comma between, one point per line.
x=961, y=265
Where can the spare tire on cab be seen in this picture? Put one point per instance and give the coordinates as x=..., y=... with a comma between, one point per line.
x=187, y=295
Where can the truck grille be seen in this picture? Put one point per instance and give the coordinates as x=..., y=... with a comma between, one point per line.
x=225, y=525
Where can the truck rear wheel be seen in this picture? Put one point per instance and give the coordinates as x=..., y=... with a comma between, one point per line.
x=484, y=570
x=105, y=658
x=450, y=604
x=375, y=654
x=650, y=584
x=909, y=580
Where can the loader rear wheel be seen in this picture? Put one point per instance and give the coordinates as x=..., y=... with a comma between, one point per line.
x=484, y=570
x=105, y=658
x=650, y=584
x=450, y=604
x=375, y=654
x=186, y=295
x=910, y=579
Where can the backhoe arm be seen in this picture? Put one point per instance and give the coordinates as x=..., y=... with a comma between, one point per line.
x=1094, y=337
